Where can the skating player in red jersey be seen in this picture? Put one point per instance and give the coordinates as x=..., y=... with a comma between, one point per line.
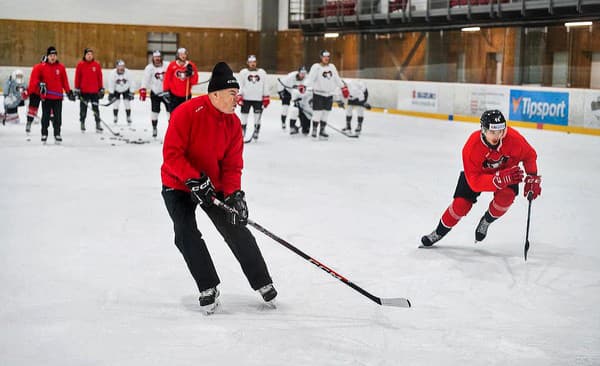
x=491, y=158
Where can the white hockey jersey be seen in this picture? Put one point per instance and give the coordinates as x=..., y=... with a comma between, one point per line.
x=358, y=90
x=120, y=83
x=289, y=82
x=154, y=76
x=253, y=84
x=323, y=79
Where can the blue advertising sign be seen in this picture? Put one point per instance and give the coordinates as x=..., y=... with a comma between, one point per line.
x=539, y=106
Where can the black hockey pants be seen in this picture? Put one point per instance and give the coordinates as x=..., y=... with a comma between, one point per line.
x=188, y=240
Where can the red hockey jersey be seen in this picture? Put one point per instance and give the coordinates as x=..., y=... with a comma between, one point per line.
x=177, y=82
x=55, y=77
x=34, y=79
x=88, y=77
x=199, y=139
x=481, y=162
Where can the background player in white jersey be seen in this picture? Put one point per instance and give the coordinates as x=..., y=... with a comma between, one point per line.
x=301, y=108
x=285, y=85
x=15, y=93
x=324, y=80
x=154, y=74
x=253, y=93
x=120, y=85
x=357, y=100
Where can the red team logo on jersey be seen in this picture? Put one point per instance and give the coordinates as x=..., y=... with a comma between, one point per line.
x=253, y=79
x=494, y=160
x=327, y=74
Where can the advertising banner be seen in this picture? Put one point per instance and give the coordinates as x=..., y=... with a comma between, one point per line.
x=539, y=106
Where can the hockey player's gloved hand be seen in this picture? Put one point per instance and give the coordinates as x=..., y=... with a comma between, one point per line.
x=130, y=96
x=43, y=89
x=101, y=93
x=237, y=201
x=202, y=190
x=301, y=89
x=367, y=106
x=112, y=96
x=143, y=94
x=189, y=71
x=532, y=185
x=345, y=92
x=266, y=101
x=506, y=177
x=76, y=93
x=24, y=94
x=239, y=99
x=71, y=95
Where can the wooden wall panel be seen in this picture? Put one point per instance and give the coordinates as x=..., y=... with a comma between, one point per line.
x=290, y=51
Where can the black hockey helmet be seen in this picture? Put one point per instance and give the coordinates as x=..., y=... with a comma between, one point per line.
x=302, y=70
x=493, y=120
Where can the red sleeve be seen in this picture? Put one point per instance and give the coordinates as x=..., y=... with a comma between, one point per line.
x=34, y=80
x=176, y=141
x=167, y=81
x=100, y=80
x=194, y=78
x=529, y=156
x=63, y=72
x=233, y=162
x=477, y=179
x=78, y=76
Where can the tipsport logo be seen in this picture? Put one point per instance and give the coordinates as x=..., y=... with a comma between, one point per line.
x=539, y=107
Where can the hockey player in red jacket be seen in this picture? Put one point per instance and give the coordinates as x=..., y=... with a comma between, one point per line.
x=33, y=90
x=202, y=159
x=89, y=87
x=54, y=78
x=180, y=76
x=491, y=160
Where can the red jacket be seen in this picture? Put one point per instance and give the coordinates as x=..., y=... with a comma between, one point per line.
x=481, y=162
x=55, y=77
x=88, y=77
x=176, y=82
x=202, y=139
x=34, y=79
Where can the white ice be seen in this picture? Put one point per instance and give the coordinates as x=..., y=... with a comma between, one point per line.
x=89, y=274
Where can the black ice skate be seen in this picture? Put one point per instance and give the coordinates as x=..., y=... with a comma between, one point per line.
x=44, y=139
x=57, y=139
x=267, y=292
x=28, y=127
x=358, y=128
x=209, y=300
x=322, y=134
x=256, y=131
x=482, y=227
x=435, y=236
x=82, y=126
x=293, y=130
x=99, y=128
x=154, y=131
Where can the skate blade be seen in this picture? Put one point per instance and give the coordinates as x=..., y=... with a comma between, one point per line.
x=269, y=305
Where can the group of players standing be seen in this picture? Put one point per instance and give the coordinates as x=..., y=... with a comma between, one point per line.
x=169, y=84
x=308, y=98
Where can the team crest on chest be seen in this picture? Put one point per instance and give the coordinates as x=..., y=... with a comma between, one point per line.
x=494, y=160
x=253, y=78
x=159, y=75
x=327, y=74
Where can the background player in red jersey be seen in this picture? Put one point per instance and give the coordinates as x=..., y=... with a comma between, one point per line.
x=491, y=160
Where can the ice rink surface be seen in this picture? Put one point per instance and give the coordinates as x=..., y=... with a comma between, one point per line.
x=90, y=275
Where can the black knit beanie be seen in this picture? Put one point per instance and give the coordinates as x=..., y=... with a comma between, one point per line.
x=51, y=50
x=222, y=78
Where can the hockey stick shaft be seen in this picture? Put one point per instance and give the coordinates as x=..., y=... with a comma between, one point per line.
x=398, y=302
x=98, y=115
x=340, y=131
x=526, y=249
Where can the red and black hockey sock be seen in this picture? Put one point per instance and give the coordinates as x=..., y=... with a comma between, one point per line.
x=502, y=201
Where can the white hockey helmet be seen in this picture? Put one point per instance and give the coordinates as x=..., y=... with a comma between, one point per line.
x=251, y=58
x=18, y=76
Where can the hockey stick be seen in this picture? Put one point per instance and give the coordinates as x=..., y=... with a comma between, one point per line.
x=530, y=199
x=342, y=132
x=101, y=120
x=397, y=302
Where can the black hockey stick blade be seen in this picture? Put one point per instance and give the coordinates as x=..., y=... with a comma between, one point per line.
x=110, y=102
x=526, y=249
x=351, y=135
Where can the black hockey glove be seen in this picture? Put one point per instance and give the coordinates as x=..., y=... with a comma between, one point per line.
x=101, y=93
x=189, y=71
x=43, y=89
x=76, y=93
x=237, y=201
x=130, y=96
x=71, y=96
x=202, y=190
x=112, y=96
